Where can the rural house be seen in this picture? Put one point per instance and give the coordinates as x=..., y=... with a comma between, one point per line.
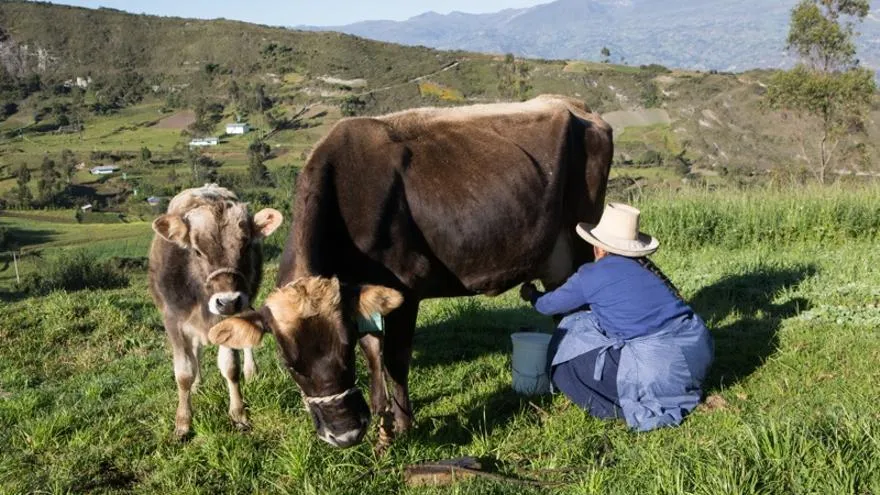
x=208, y=141
x=238, y=128
x=104, y=170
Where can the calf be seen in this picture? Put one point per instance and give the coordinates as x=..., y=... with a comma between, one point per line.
x=205, y=264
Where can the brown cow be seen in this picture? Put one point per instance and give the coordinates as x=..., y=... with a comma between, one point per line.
x=421, y=204
x=206, y=263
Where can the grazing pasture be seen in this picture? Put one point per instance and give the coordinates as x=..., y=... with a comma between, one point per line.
x=786, y=280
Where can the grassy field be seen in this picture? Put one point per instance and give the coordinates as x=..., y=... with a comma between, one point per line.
x=47, y=235
x=787, y=281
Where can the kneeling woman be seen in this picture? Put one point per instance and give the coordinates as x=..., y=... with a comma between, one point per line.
x=639, y=352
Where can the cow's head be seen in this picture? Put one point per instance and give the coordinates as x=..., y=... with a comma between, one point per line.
x=221, y=250
x=314, y=321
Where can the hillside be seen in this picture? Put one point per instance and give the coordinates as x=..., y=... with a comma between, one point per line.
x=85, y=42
x=693, y=34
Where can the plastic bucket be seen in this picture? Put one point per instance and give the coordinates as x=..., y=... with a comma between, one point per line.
x=529, y=363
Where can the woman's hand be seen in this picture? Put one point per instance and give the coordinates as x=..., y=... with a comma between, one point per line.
x=529, y=293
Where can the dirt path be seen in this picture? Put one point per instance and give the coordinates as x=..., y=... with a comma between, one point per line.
x=620, y=120
x=414, y=80
x=180, y=120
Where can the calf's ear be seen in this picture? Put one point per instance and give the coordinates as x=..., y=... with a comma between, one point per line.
x=172, y=228
x=267, y=221
x=378, y=299
x=238, y=332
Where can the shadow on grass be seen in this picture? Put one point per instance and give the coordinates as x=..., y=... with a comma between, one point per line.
x=741, y=347
x=481, y=416
x=469, y=332
x=19, y=238
x=465, y=333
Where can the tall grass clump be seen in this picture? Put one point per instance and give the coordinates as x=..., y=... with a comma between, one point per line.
x=693, y=218
x=77, y=271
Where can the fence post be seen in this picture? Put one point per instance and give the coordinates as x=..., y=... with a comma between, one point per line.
x=15, y=263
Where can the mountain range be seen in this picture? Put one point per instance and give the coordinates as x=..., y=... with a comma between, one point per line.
x=722, y=35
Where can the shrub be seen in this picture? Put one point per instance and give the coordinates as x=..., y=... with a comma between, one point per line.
x=650, y=157
x=129, y=263
x=72, y=273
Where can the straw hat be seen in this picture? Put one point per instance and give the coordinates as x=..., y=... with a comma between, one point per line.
x=618, y=232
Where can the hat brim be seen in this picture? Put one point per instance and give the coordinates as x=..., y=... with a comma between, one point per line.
x=642, y=246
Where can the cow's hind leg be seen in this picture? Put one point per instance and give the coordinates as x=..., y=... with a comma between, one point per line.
x=399, y=328
x=250, y=366
x=227, y=361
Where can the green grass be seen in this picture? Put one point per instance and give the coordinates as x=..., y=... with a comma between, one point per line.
x=45, y=235
x=87, y=394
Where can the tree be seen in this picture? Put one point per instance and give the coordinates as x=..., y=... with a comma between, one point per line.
x=23, y=192
x=606, y=54
x=827, y=84
x=352, y=105
x=208, y=114
x=203, y=168
x=260, y=102
x=49, y=184
x=68, y=164
x=258, y=152
x=513, y=76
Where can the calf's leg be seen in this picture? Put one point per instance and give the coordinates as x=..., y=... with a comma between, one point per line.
x=250, y=366
x=227, y=361
x=186, y=372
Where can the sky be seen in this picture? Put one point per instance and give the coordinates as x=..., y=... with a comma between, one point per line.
x=302, y=12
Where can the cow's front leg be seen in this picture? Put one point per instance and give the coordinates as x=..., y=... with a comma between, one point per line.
x=227, y=361
x=379, y=403
x=250, y=365
x=397, y=353
x=186, y=372
x=372, y=346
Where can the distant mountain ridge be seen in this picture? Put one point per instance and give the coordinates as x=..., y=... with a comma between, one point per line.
x=694, y=34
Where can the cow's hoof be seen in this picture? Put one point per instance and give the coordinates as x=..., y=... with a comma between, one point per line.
x=383, y=444
x=242, y=426
x=182, y=434
x=386, y=435
x=381, y=449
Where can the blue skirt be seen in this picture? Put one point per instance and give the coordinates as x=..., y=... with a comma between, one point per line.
x=651, y=380
x=574, y=378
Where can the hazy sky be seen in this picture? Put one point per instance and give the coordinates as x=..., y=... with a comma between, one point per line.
x=297, y=12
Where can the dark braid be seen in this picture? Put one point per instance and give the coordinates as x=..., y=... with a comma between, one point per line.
x=645, y=262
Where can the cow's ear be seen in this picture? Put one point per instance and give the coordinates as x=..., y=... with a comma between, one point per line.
x=378, y=299
x=238, y=332
x=267, y=221
x=172, y=228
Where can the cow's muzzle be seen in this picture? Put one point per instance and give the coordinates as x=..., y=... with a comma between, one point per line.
x=227, y=303
x=341, y=419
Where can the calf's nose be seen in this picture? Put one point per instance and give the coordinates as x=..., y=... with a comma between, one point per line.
x=227, y=303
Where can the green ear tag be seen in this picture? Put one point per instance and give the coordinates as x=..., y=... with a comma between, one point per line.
x=375, y=323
